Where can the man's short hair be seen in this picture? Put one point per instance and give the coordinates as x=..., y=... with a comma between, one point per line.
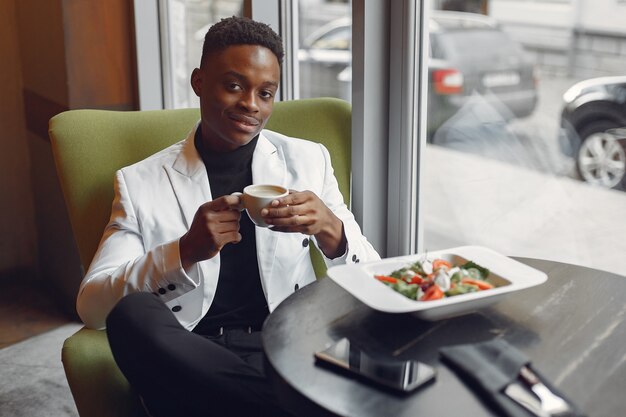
x=241, y=31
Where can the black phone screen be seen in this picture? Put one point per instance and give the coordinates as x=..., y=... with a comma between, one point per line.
x=402, y=375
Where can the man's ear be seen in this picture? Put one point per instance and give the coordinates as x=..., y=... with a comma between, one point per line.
x=196, y=81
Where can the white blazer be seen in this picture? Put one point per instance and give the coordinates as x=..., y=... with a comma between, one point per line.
x=154, y=205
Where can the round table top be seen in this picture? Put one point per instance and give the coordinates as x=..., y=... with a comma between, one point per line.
x=571, y=327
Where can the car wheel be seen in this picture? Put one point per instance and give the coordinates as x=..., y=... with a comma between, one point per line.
x=600, y=159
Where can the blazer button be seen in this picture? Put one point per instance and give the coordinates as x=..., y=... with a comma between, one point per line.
x=305, y=243
x=171, y=287
x=162, y=291
x=176, y=309
x=296, y=287
x=354, y=258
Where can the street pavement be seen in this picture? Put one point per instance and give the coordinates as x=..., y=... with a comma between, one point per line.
x=475, y=200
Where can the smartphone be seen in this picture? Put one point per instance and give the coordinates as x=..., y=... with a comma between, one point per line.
x=399, y=375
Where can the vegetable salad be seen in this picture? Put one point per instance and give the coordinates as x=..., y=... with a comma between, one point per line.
x=432, y=280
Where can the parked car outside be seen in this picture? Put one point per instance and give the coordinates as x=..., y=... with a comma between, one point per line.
x=469, y=55
x=593, y=122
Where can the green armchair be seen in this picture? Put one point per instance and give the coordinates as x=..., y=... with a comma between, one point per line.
x=89, y=146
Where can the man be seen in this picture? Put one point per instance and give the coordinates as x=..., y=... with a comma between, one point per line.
x=182, y=280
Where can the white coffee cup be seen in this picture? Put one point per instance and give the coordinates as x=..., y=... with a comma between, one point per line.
x=256, y=197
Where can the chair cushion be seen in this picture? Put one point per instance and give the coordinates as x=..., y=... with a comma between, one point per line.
x=98, y=386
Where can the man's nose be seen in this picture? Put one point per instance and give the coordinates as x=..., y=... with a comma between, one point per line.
x=249, y=101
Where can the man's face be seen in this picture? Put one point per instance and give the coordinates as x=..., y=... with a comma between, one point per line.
x=236, y=87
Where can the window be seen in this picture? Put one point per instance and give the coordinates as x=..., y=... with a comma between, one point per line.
x=500, y=167
x=324, y=55
x=507, y=156
x=514, y=160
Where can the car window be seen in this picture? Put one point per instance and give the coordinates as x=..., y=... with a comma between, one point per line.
x=473, y=44
x=435, y=49
x=338, y=39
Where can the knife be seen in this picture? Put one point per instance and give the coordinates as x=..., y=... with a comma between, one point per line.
x=523, y=397
x=550, y=402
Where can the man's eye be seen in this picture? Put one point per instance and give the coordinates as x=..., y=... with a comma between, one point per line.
x=266, y=94
x=234, y=86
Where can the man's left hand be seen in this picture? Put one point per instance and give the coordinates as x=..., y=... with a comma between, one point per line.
x=304, y=212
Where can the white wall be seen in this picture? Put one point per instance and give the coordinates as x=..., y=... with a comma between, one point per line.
x=539, y=13
x=601, y=15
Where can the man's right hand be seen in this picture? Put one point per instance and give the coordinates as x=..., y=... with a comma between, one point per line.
x=215, y=224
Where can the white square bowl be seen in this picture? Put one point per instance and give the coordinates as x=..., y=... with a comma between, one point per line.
x=506, y=274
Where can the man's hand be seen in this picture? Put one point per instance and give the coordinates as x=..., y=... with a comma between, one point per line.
x=305, y=213
x=215, y=224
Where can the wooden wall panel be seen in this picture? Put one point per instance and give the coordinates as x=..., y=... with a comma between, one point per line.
x=42, y=49
x=99, y=46
x=18, y=235
x=75, y=54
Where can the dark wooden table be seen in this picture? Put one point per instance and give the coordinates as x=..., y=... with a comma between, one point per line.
x=572, y=327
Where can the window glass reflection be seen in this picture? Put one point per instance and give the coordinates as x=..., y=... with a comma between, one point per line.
x=526, y=120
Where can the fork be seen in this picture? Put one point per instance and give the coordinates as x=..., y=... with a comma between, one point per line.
x=551, y=403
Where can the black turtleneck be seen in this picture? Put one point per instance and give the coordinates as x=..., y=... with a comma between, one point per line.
x=239, y=299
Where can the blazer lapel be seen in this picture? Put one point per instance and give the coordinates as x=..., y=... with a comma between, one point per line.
x=268, y=164
x=189, y=180
x=268, y=167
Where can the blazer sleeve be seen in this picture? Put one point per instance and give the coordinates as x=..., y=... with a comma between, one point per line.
x=123, y=265
x=359, y=249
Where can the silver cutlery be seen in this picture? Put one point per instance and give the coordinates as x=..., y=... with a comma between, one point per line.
x=551, y=404
x=525, y=398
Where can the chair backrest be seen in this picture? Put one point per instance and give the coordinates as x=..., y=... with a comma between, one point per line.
x=90, y=145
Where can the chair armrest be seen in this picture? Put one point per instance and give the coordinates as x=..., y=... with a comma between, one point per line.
x=98, y=386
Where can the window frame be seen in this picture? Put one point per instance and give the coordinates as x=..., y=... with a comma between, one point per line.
x=389, y=122
x=148, y=55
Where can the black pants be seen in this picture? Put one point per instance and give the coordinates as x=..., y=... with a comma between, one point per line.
x=180, y=373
